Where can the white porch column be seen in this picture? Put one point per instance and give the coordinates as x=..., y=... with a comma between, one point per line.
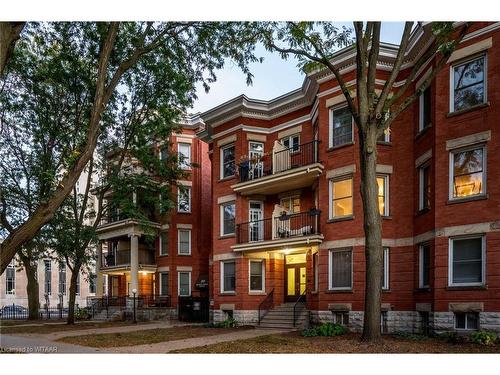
x=134, y=263
x=98, y=291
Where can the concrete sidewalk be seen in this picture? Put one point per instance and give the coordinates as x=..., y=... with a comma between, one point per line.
x=168, y=346
x=40, y=345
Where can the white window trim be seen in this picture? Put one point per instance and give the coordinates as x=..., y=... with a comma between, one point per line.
x=188, y=160
x=421, y=266
x=221, y=157
x=466, y=327
x=291, y=198
x=421, y=103
x=452, y=78
x=316, y=273
x=11, y=292
x=45, y=274
x=221, y=212
x=483, y=260
x=222, y=264
x=386, y=259
x=162, y=253
x=421, y=184
x=179, y=284
x=160, y=288
x=331, y=216
x=263, y=274
x=330, y=125
x=451, y=174
x=179, y=241
x=330, y=274
x=188, y=188
x=290, y=143
x=386, y=193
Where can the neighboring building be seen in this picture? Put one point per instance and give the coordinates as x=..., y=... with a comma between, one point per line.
x=53, y=277
x=287, y=212
x=176, y=264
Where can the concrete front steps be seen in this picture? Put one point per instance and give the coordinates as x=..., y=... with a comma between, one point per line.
x=281, y=317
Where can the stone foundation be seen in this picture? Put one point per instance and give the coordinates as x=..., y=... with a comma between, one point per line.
x=411, y=321
x=244, y=317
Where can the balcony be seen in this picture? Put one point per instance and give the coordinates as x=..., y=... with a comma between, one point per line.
x=122, y=258
x=294, y=167
x=289, y=230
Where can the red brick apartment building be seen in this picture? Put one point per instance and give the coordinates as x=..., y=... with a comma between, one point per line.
x=287, y=212
x=177, y=263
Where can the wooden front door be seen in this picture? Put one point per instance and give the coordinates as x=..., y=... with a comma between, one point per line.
x=295, y=281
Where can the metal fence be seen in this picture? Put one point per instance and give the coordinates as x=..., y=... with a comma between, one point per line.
x=16, y=312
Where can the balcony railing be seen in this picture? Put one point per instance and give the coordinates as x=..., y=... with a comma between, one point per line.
x=285, y=226
x=280, y=160
x=122, y=258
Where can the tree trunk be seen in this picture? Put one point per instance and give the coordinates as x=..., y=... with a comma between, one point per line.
x=373, y=232
x=32, y=288
x=72, y=295
x=9, y=34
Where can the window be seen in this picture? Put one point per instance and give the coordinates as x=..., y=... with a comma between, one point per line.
x=164, y=284
x=184, y=152
x=10, y=278
x=466, y=261
x=316, y=271
x=184, y=284
x=184, y=241
x=467, y=321
x=341, y=193
x=62, y=278
x=164, y=243
x=92, y=283
x=48, y=277
x=385, y=269
x=228, y=213
x=385, y=137
x=228, y=272
x=340, y=127
x=257, y=276
x=469, y=84
x=256, y=164
x=291, y=204
x=424, y=118
x=383, y=195
x=424, y=265
x=341, y=317
x=341, y=269
x=184, y=199
x=383, y=322
x=468, y=173
x=228, y=165
x=291, y=142
x=164, y=153
x=77, y=285
x=424, y=199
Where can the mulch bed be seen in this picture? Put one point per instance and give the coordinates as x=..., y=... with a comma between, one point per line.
x=149, y=336
x=293, y=342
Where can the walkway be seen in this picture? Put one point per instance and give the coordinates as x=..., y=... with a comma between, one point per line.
x=168, y=346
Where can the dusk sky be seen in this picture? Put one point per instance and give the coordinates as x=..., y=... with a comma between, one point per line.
x=272, y=78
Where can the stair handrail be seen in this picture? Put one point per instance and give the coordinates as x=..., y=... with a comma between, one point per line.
x=266, y=304
x=301, y=297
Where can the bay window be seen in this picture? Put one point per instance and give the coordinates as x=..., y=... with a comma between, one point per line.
x=467, y=261
x=227, y=214
x=468, y=172
x=340, y=127
x=184, y=199
x=228, y=273
x=341, y=198
x=184, y=152
x=257, y=276
x=340, y=275
x=468, y=82
x=383, y=195
x=228, y=161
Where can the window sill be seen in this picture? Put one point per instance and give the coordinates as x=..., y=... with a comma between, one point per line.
x=227, y=236
x=229, y=178
x=423, y=290
x=334, y=148
x=466, y=110
x=386, y=290
x=227, y=293
x=162, y=255
x=345, y=291
x=422, y=132
x=466, y=287
x=184, y=255
x=467, y=199
x=184, y=212
x=388, y=217
x=384, y=143
x=257, y=293
x=423, y=211
x=345, y=218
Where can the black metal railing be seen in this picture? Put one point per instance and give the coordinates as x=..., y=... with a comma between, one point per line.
x=296, y=306
x=287, y=225
x=266, y=305
x=17, y=312
x=280, y=161
x=122, y=258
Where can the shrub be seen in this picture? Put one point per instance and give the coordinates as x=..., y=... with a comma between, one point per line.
x=228, y=323
x=486, y=338
x=326, y=329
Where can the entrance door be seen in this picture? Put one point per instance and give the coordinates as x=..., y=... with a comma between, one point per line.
x=255, y=152
x=255, y=216
x=115, y=286
x=295, y=281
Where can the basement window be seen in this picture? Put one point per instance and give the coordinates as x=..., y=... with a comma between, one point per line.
x=467, y=321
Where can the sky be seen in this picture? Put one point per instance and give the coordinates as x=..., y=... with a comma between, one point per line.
x=272, y=78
